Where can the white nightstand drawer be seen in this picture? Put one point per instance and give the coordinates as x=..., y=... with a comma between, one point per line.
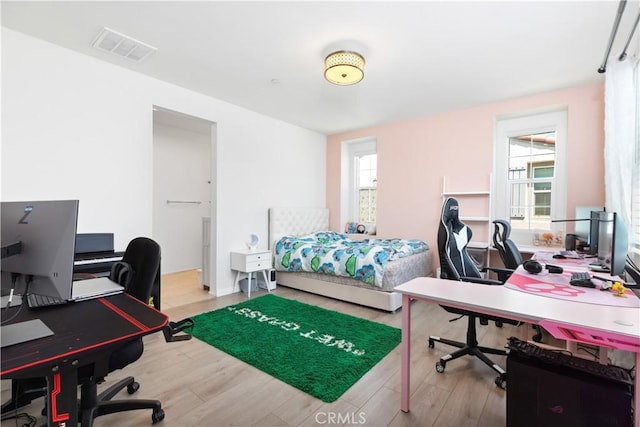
x=257, y=266
x=250, y=261
x=264, y=257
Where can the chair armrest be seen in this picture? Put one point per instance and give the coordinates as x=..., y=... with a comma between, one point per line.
x=499, y=270
x=481, y=281
x=503, y=273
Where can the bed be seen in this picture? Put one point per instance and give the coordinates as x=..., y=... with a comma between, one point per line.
x=378, y=293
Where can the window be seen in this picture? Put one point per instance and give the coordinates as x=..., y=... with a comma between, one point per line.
x=359, y=181
x=367, y=178
x=529, y=175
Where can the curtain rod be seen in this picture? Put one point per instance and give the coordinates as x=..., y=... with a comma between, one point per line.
x=623, y=55
x=614, y=30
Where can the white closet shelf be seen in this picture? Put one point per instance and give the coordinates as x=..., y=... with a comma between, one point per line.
x=484, y=217
x=466, y=193
x=475, y=218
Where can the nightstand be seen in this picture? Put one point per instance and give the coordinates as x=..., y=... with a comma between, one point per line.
x=247, y=262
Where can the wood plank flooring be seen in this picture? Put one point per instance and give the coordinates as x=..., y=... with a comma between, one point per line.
x=200, y=385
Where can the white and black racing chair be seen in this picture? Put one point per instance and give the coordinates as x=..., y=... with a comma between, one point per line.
x=456, y=264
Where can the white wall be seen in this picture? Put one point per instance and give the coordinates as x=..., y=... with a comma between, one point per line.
x=182, y=171
x=77, y=127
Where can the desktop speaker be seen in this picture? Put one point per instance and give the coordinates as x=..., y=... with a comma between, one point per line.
x=539, y=394
x=271, y=277
x=271, y=274
x=532, y=266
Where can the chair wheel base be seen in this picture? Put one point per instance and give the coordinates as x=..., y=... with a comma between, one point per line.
x=157, y=416
x=431, y=343
x=440, y=365
x=133, y=387
x=501, y=382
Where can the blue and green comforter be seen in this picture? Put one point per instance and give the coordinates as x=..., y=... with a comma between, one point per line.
x=334, y=253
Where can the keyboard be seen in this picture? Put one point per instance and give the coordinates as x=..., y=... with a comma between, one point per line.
x=581, y=279
x=565, y=361
x=39, y=301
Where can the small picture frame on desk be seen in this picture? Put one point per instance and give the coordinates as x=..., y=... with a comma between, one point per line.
x=548, y=238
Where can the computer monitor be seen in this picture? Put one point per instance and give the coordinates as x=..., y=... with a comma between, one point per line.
x=594, y=231
x=44, y=233
x=612, y=243
x=586, y=226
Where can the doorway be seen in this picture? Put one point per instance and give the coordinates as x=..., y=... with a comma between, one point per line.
x=183, y=191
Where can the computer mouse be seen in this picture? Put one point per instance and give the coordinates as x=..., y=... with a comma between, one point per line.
x=559, y=256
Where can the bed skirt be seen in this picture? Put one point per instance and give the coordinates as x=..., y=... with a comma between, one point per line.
x=357, y=292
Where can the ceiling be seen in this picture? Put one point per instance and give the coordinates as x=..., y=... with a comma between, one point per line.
x=422, y=58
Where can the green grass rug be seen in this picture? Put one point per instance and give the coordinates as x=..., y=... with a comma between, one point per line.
x=318, y=351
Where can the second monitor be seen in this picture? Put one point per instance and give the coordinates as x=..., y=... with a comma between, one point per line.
x=612, y=243
x=45, y=233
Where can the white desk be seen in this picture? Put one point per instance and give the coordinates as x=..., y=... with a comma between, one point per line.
x=602, y=320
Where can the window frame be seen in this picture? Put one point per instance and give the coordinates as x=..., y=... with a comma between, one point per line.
x=510, y=126
x=349, y=192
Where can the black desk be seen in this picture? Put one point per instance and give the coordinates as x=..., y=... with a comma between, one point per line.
x=85, y=333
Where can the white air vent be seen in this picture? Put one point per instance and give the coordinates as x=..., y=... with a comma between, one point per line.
x=121, y=45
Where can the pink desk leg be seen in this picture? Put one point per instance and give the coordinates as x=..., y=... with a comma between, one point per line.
x=406, y=353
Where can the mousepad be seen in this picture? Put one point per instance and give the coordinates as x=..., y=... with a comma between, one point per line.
x=557, y=286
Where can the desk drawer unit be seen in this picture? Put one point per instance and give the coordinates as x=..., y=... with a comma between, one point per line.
x=250, y=262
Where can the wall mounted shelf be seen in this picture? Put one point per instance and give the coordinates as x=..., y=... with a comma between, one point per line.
x=478, y=249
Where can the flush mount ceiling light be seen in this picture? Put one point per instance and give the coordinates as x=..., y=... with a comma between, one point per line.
x=344, y=68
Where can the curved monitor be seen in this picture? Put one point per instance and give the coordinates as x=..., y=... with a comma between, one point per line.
x=44, y=233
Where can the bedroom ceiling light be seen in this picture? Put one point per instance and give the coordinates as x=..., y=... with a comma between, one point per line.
x=344, y=68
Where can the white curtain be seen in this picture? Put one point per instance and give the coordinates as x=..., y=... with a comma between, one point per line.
x=622, y=157
x=622, y=95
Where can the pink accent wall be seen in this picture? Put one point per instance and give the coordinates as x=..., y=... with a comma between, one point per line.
x=414, y=155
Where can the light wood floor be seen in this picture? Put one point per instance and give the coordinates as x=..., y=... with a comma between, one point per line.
x=201, y=386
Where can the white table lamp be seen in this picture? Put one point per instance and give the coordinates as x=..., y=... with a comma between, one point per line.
x=252, y=244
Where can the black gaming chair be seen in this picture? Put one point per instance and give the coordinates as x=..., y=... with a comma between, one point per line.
x=456, y=264
x=139, y=270
x=510, y=255
x=509, y=252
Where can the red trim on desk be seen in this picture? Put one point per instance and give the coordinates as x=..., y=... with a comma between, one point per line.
x=55, y=417
x=124, y=315
x=143, y=329
x=79, y=350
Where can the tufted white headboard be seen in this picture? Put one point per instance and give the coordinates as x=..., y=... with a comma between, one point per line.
x=296, y=222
